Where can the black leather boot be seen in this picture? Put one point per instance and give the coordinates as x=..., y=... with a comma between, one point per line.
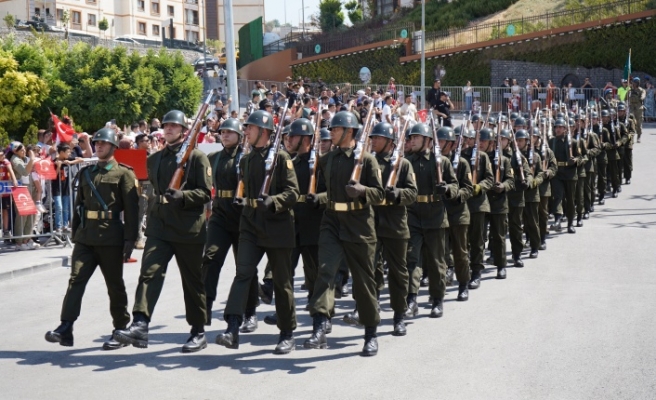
x=424, y=278
x=399, y=325
x=586, y=215
x=534, y=253
x=556, y=226
x=250, y=322
x=345, y=288
x=352, y=318
x=339, y=285
x=518, y=262
x=230, y=338
x=475, y=281
x=136, y=334
x=286, y=343
x=370, y=342
x=266, y=291
x=449, y=275
x=329, y=326
x=271, y=319
x=438, y=309
x=463, y=292
x=112, y=343
x=579, y=223
x=208, y=312
x=318, y=338
x=63, y=334
x=196, y=342
x=413, y=307
x=543, y=246
x=501, y=272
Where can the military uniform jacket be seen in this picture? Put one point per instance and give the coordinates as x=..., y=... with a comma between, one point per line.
x=602, y=158
x=392, y=219
x=532, y=194
x=265, y=228
x=431, y=215
x=594, y=149
x=335, y=169
x=499, y=201
x=561, y=151
x=545, y=187
x=307, y=219
x=480, y=203
x=117, y=186
x=612, y=140
x=583, y=153
x=167, y=221
x=631, y=128
x=636, y=98
x=225, y=179
x=516, y=195
x=456, y=207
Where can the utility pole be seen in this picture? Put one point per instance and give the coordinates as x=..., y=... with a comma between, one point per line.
x=423, y=54
x=231, y=59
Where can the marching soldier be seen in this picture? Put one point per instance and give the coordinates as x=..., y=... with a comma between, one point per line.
x=629, y=122
x=594, y=150
x=427, y=217
x=532, y=194
x=101, y=239
x=578, y=125
x=602, y=158
x=347, y=232
x=266, y=227
x=612, y=141
x=637, y=97
x=545, y=187
x=176, y=227
x=478, y=204
x=563, y=185
x=223, y=225
x=459, y=219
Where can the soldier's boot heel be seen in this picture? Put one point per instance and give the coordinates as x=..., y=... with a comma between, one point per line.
x=399, y=325
x=63, y=334
x=230, y=338
x=318, y=338
x=370, y=347
x=286, y=343
x=136, y=334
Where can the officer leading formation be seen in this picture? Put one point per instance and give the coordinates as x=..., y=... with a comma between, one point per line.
x=415, y=202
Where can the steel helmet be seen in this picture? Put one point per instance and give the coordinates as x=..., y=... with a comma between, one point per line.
x=421, y=129
x=301, y=127
x=505, y=133
x=261, y=119
x=383, y=129
x=535, y=131
x=231, y=124
x=106, y=135
x=486, y=134
x=446, y=133
x=175, y=117
x=344, y=119
x=469, y=133
x=605, y=113
x=621, y=107
x=514, y=116
x=521, y=134
x=520, y=122
x=324, y=134
x=560, y=122
x=475, y=118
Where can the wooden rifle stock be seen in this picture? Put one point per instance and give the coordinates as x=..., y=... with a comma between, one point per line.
x=436, y=149
x=239, y=193
x=188, y=145
x=362, y=145
x=272, y=157
x=399, y=153
x=314, y=153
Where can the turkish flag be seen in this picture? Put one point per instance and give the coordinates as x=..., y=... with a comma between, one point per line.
x=46, y=169
x=23, y=201
x=135, y=158
x=423, y=114
x=62, y=132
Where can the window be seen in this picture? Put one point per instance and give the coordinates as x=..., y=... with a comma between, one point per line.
x=155, y=30
x=92, y=20
x=76, y=17
x=141, y=5
x=37, y=11
x=60, y=14
x=141, y=28
x=171, y=11
x=91, y=1
x=191, y=17
x=154, y=8
x=192, y=36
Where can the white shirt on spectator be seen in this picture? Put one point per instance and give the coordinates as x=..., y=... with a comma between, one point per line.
x=387, y=114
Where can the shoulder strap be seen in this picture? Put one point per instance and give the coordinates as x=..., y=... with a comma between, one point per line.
x=93, y=189
x=216, y=167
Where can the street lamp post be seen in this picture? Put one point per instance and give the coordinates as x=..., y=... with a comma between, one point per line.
x=423, y=54
x=303, y=21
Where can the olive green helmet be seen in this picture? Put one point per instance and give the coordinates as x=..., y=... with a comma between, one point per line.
x=301, y=127
x=536, y=131
x=520, y=122
x=486, y=134
x=421, y=129
x=384, y=129
x=605, y=113
x=475, y=118
x=521, y=134
x=505, y=133
x=469, y=133
x=174, y=117
x=106, y=135
x=231, y=124
x=324, y=134
x=514, y=116
x=621, y=107
x=261, y=119
x=560, y=122
x=344, y=119
x=446, y=133
x=457, y=129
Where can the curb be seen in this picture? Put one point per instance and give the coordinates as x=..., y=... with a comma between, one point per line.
x=64, y=262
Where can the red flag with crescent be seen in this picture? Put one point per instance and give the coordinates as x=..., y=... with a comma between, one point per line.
x=23, y=201
x=62, y=132
x=45, y=168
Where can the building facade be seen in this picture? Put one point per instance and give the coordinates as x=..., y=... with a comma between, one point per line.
x=243, y=12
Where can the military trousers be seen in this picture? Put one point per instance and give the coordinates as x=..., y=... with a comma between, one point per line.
x=379, y=268
x=156, y=257
x=359, y=258
x=413, y=259
x=564, y=193
x=296, y=255
x=218, y=243
x=430, y=245
x=498, y=230
x=249, y=256
x=613, y=173
x=589, y=190
x=515, y=230
x=310, y=256
x=638, y=113
x=602, y=172
x=543, y=217
x=628, y=163
x=394, y=252
x=580, y=191
x=531, y=223
x=456, y=254
x=476, y=238
x=84, y=261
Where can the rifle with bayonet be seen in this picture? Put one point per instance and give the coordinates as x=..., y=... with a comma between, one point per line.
x=477, y=141
x=436, y=149
x=361, y=145
x=314, y=151
x=397, y=156
x=272, y=157
x=463, y=127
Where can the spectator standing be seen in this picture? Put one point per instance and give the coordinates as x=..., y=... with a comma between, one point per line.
x=516, y=95
x=22, y=163
x=468, y=92
x=391, y=87
x=433, y=95
x=650, y=102
x=6, y=174
x=387, y=110
x=408, y=109
x=623, y=90
x=443, y=109
x=571, y=95
x=60, y=189
x=587, y=90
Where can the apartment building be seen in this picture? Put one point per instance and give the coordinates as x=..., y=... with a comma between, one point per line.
x=243, y=12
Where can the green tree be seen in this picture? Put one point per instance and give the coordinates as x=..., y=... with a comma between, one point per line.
x=103, y=25
x=354, y=11
x=31, y=136
x=65, y=19
x=331, y=16
x=10, y=21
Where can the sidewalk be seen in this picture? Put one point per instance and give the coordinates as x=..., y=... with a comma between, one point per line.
x=14, y=264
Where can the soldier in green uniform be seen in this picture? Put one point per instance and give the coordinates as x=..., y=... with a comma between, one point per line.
x=629, y=122
x=478, y=204
x=550, y=168
x=223, y=225
x=176, y=227
x=602, y=158
x=593, y=149
x=266, y=227
x=516, y=202
x=612, y=140
x=347, y=232
x=532, y=194
x=577, y=126
x=427, y=218
x=504, y=182
x=637, y=97
x=100, y=237
x=459, y=218
x=391, y=219
x=563, y=185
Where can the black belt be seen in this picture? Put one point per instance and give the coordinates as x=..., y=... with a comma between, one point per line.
x=102, y=215
x=341, y=207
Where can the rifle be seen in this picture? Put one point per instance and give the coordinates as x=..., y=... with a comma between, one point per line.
x=497, y=154
x=475, y=158
x=272, y=157
x=188, y=145
x=545, y=131
x=518, y=155
x=239, y=193
x=531, y=151
x=436, y=149
x=397, y=156
x=569, y=136
x=361, y=145
x=612, y=128
x=314, y=150
x=463, y=127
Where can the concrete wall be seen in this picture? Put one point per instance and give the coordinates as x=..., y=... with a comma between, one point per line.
x=270, y=68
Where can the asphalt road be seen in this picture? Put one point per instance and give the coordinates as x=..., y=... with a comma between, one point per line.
x=576, y=323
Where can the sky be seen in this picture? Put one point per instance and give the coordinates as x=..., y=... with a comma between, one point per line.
x=275, y=9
